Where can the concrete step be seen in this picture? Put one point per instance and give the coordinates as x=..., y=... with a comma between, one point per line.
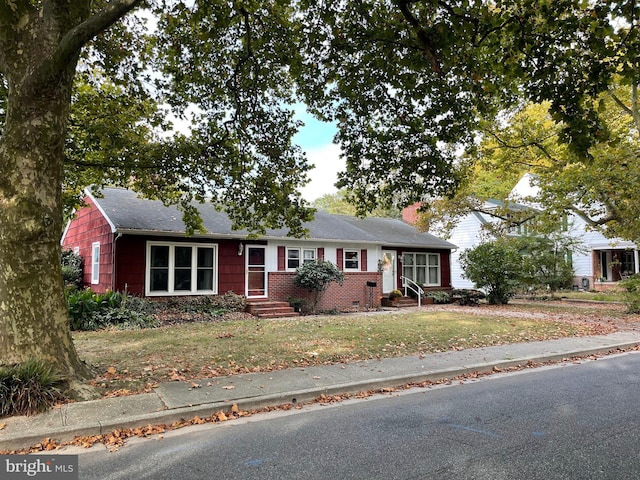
x=270, y=309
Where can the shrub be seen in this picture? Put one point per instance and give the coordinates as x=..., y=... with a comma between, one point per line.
x=439, y=297
x=316, y=277
x=71, y=269
x=215, y=305
x=467, y=296
x=93, y=311
x=494, y=267
x=28, y=388
x=395, y=294
x=632, y=293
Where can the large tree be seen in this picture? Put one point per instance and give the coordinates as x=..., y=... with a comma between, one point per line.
x=82, y=91
x=407, y=80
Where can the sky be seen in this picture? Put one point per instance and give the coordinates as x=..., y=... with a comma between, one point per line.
x=315, y=138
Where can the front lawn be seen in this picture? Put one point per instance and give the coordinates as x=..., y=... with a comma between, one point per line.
x=135, y=360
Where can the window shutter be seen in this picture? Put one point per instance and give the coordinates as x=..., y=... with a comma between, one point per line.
x=363, y=260
x=320, y=253
x=340, y=258
x=282, y=253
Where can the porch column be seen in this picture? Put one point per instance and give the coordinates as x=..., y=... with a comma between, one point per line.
x=635, y=260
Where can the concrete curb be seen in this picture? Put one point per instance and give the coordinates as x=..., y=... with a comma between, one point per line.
x=34, y=432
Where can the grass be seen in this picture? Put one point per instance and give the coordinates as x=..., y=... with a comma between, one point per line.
x=609, y=296
x=138, y=359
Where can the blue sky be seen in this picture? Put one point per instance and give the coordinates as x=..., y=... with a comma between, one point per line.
x=316, y=139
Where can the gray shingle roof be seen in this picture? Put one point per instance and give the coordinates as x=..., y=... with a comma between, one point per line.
x=127, y=213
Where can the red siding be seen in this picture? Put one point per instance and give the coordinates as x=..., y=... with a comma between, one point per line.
x=87, y=227
x=131, y=254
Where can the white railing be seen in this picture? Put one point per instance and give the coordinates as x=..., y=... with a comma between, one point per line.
x=409, y=284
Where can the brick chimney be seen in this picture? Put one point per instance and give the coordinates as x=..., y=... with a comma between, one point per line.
x=410, y=213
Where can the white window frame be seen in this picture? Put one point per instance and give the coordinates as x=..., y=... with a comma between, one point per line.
x=172, y=268
x=432, y=261
x=301, y=257
x=95, y=263
x=345, y=251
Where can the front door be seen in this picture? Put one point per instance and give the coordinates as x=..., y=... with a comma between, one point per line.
x=389, y=270
x=256, y=272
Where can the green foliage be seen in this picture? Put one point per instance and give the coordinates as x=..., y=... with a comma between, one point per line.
x=71, y=269
x=93, y=311
x=439, y=297
x=28, y=388
x=506, y=265
x=495, y=267
x=544, y=262
x=467, y=296
x=316, y=276
x=632, y=293
x=215, y=305
x=341, y=203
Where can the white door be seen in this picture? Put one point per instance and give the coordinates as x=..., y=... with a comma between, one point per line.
x=389, y=270
x=256, y=272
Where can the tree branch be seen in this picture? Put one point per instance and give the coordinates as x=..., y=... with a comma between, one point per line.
x=421, y=34
x=76, y=38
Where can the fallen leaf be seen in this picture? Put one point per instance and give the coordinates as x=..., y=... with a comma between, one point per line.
x=3, y=426
x=111, y=370
x=195, y=385
x=229, y=387
x=221, y=416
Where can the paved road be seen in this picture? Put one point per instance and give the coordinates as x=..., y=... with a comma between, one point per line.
x=570, y=422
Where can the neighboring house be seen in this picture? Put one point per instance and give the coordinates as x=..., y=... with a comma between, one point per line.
x=599, y=266
x=603, y=261
x=139, y=245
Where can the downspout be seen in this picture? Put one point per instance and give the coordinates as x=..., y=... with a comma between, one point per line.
x=114, y=270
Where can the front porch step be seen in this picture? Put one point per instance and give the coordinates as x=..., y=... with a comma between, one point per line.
x=405, y=302
x=270, y=309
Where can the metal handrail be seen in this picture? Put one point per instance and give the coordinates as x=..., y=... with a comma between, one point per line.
x=407, y=283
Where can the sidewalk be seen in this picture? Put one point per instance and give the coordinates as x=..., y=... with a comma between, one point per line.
x=180, y=400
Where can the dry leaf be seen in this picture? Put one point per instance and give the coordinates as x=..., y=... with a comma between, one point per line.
x=3, y=426
x=221, y=416
x=111, y=370
x=195, y=385
x=229, y=387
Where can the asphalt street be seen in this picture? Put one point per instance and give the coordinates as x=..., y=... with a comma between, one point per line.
x=575, y=421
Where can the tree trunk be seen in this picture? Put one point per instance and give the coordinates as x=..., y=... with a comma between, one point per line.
x=34, y=322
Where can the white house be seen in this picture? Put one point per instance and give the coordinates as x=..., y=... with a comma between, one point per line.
x=600, y=264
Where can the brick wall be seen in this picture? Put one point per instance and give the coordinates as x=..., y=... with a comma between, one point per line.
x=352, y=293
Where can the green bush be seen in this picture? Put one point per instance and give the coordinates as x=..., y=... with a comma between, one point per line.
x=495, y=267
x=439, y=297
x=215, y=305
x=632, y=293
x=71, y=269
x=316, y=277
x=28, y=388
x=93, y=311
x=468, y=296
